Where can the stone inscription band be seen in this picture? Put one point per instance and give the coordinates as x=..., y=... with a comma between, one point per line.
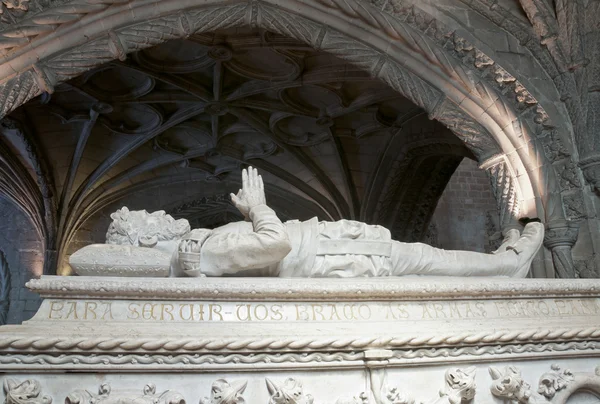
x=203, y=311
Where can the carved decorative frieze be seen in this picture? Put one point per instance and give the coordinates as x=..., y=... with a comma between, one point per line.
x=27, y=392
x=509, y=384
x=568, y=176
x=591, y=170
x=460, y=385
x=192, y=361
x=555, y=381
x=106, y=395
x=288, y=392
x=267, y=361
x=223, y=392
x=586, y=268
x=574, y=205
x=558, y=385
x=362, y=398
x=381, y=390
x=291, y=289
x=554, y=147
x=102, y=362
x=472, y=133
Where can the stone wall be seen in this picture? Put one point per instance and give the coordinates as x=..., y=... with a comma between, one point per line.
x=23, y=251
x=466, y=217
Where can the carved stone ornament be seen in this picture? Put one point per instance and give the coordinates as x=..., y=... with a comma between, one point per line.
x=559, y=238
x=460, y=385
x=509, y=384
x=591, y=170
x=102, y=362
x=383, y=393
x=223, y=392
x=504, y=187
x=288, y=392
x=558, y=386
x=27, y=392
x=555, y=381
x=362, y=398
x=104, y=396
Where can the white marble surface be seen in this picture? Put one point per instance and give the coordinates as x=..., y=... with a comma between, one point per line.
x=325, y=386
x=405, y=337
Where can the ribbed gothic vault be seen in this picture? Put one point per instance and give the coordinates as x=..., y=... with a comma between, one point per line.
x=330, y=140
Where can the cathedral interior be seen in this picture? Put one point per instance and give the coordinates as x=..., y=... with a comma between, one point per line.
x=444, y=121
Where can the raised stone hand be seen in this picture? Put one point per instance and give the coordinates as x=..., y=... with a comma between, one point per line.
x=252, y=193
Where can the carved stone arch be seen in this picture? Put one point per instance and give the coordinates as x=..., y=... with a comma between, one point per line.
x=416, y=55
x=28, y=184
x=559, y=385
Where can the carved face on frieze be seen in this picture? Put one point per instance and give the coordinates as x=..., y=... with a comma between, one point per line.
x=288, y=392
x=509, y=384
x=223, y=392
x=142, y=229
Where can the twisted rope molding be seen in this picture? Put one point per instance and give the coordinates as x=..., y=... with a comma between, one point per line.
x=310, y=289
x=185, y=360
x=496, y=350
x=328, y=344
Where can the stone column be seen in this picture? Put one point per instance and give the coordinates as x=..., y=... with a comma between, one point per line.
x=560, y=237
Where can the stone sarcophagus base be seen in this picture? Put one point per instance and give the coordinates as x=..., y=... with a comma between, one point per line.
x=301, y=341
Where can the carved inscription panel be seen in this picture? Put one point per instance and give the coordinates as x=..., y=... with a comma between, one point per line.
x=203, y=311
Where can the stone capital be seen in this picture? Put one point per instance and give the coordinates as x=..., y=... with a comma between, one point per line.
x=561, y=233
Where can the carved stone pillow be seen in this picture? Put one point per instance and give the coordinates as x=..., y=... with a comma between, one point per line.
x=120, y=260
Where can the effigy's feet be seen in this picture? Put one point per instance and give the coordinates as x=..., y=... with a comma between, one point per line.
x=510, y=238
x=526, y=247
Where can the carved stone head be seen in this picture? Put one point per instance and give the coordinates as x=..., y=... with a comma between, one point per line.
x=509, y=384
x=142, y=229
x=27, y=392
x=223, y=392
x=460, y=385
x=288, y=392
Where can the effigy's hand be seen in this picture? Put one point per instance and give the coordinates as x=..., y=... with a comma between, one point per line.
x=189, y=251
x=252, y=193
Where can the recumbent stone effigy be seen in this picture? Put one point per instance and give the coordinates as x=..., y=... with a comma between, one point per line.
x=264, y=246
x=242, y=318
